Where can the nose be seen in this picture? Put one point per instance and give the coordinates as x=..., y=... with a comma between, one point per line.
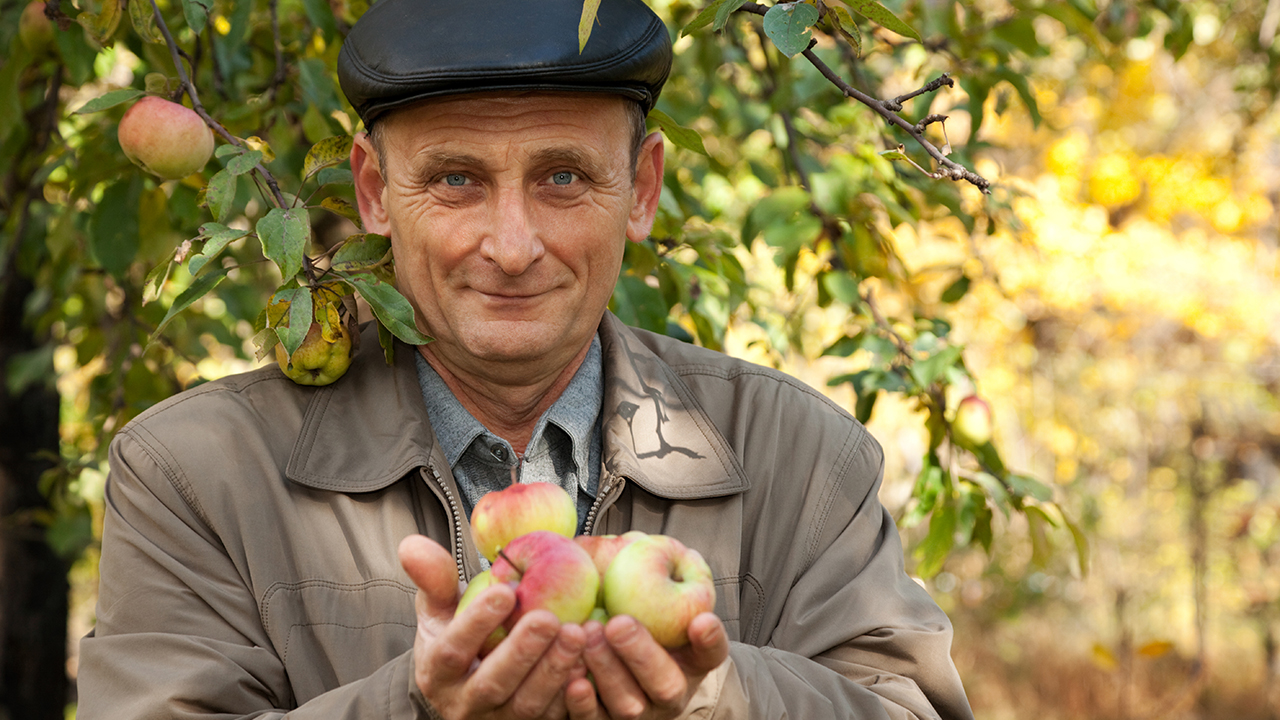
x=512, y=242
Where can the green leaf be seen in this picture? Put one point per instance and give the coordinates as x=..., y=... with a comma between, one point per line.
x=1020, y=83
x=389, y=306
x=724, y=11
x=284, y=233
x=143, y=17
x=102, y=26
x=292, y=326
x=198, y=289
x=244, y=161
x=882, y=16
x=956, y=290
x=1024, y=486
x=843, y=287
x=334, y=176
x=702, y=19
x=926, y=371
x=342, y=208
x=845, y=25
x=326, y=153
x=638, y=304
x=585, y=23
x=1081, y=542
x=865, y=403
x=197, y=13
x=388, y=343
x=994, y=489
x=109, y=100
x=114, y=238
x=361, y=252
x=1037, y=519
x=787, y=25
x=681, y=136
x=932, y=552
x=220, y=193
x=218, y=237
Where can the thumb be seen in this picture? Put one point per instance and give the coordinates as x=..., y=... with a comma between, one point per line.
x=433, y=570
x=708, y=645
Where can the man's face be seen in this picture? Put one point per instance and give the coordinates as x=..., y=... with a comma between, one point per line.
x=508, y=217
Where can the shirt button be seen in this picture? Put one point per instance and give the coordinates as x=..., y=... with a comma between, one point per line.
x=499, y=451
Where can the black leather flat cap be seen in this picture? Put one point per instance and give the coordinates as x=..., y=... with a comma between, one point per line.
x=403, y=51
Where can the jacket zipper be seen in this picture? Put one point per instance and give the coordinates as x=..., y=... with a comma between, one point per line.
x=457, y=524
x=605, y=494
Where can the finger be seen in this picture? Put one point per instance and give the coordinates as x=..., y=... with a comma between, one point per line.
x=708, y=645
x=661, y=679
x=504, y=669
x=434, y=571
x=458, y=644
x=619, y=693
x=580, y=700
x=547, y=679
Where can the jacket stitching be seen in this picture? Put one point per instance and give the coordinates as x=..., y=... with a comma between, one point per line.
x=171, y=472
x=284, y=655
x=757, y=616
x=265, y=603
x=825, y=502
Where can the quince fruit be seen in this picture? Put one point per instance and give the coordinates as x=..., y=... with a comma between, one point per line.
x=317, y=361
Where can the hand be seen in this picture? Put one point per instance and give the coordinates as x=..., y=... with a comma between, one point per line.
x=523, y=677
x=638, y=678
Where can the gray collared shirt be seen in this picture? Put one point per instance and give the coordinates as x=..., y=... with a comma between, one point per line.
x=564, y=448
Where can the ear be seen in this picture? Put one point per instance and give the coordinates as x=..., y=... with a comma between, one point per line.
x=370, y=187
x=648, y=188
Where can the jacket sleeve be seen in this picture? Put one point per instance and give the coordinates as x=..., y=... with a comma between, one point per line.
x=855, y=636
x=178, y=630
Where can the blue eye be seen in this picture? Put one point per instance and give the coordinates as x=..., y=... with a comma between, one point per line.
x=455, y=179
x=564, y=177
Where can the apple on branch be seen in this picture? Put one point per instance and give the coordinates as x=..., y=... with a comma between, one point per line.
x=971, y=427
x=662, y=584
x=504, y=515
x=165, y=138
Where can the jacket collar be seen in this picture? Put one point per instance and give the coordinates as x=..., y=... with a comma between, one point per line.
x=370, y=428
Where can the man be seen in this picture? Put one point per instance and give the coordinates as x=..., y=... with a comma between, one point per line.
x=250, y=564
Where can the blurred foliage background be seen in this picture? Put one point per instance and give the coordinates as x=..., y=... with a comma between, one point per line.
x=1111, y=553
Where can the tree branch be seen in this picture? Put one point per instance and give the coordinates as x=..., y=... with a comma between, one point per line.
x=947, y=168
x=196, y=105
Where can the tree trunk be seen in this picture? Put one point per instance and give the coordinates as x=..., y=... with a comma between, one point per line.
x=33, y=580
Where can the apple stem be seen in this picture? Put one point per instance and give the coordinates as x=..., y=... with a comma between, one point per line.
x=511, y=563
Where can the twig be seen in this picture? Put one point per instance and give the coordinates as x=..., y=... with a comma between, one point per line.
x=947, y=168
x=869, y=299
x=279, y=77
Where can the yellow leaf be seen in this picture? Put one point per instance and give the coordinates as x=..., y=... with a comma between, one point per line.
x=1156, y=648
x=1103, y=657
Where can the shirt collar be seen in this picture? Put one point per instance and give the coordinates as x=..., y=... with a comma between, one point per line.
x=575, y=411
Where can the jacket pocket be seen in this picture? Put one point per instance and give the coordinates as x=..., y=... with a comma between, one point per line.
x=328, y=634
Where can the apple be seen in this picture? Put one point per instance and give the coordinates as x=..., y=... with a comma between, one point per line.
x=602, y=549
x=971, y=427
x=552, y=572
x=34, y=28
x=474, y=588
x=662, y=584
x=317, y=361
x=165, y=138
x=504, y=515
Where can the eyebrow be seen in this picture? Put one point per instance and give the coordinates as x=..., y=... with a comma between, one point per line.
x=432, y=163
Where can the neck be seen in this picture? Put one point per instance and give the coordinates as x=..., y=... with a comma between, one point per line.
x=508, y=410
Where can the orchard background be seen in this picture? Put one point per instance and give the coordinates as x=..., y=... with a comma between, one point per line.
x=1088, y=241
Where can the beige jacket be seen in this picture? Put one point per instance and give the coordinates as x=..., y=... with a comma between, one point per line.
x=249, y=550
